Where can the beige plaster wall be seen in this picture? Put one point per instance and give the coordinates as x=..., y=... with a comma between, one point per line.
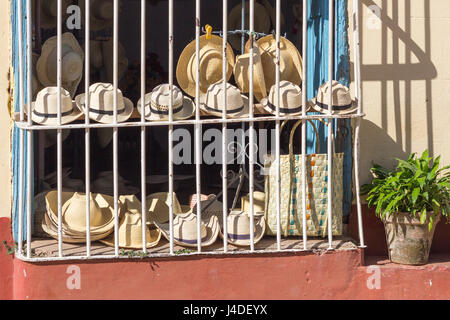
x=5, y=124
x=405, y=68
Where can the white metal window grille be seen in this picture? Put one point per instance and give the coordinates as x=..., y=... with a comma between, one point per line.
x=27, y=127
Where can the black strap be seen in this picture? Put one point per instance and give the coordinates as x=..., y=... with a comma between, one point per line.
x=166, y=112
x=228, y=112
x=337, y=108
x=104, y=112
x=285, y=110
x=52, y=115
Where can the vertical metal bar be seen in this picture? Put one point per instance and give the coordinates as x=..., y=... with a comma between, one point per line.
x=304, y=140
x=251, y=128
x=198, y=145
x=224, y=125
x=87, y=140
x=21, y=139
x=59, y=131
x=277, y=123
x=330, y=121
x=242, y=26
x=143, y=149
x=29, y=132
x=358, y=96
x=171, y=126
x=115, y=129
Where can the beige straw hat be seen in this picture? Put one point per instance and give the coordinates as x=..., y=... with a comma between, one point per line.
x=49, y=12
x=261, y=22
x=185, y=230
x=258, y=202
x=102, y=13
x=290, y=60
x=242, y=73
x=71, y=63
x=158, y=207
x=45, y=108
x=342, y=99
x=108, y=60
x=130, y=227
x=157, y=104
x=290, y=99
x=102, y=106
x=238, y=227
x=210, y=64
x=212, y=102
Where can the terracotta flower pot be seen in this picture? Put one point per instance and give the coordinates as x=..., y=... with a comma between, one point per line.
x=408, y=240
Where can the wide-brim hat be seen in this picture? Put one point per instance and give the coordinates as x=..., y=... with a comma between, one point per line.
x=342, y=101
x=261, y=21
x=130, y=227
x=185, y=111
x=242, y=73
x=211, y=228
x=52, y=119
x=182, y=73
x=158, y=207
x=243, y=238
x=97, y=23
x=288, y=105
x=75, y=55
x=244, y=112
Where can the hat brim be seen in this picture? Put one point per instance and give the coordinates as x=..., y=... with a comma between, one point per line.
x=353, y=108
x=265, y=105
x=155, y=236
x=260, y=228
x=183, y=61
x=241, y=114
x=212, y=232
x=106, y=118
x=53, y=121
x=186, y=112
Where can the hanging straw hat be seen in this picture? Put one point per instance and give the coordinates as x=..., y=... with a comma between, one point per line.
x=242, y=73
x=157, y=104
x=342, y=99
x=185, y=230
x=49, y=12
x=102, y=13
x=71, y=63
x=290, y=60
x=210, y=64
x=158, y=207
x=74, y=216
x=238, y=227
x=212, y=102
x=108, y=60
x=130, y=227
x=102, y=106
x=290, y=99
x=261, y=22
x=45, y=108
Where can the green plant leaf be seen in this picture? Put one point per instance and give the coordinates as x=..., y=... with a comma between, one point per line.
x=415, y=194
x=423, y=216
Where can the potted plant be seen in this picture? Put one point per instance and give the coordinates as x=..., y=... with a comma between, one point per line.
x=410, y=200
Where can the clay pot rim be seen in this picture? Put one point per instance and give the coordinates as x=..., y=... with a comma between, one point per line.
x=408, y=218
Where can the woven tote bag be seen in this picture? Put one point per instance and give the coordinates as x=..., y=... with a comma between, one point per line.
x=291, y=207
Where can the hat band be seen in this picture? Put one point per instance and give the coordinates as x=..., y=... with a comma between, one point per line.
x=52, y=115
x=231, y=112
x=190, y=241
x=336, y=108
x=166, y=112
x=238, y=236
x=105, y=112
x=285, y=110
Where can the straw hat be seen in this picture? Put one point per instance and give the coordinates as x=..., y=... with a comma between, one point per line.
x=45, y=108
x=238, y=227
x=157, y=104
x=261, y=21
x=242, y=73
x=102, y=106
x=258, y=202
x=212, y=102
x=102, y=13
x=342, y=99
x=49, y=12
x=213, y=208
x=185, y=230
x=210, y=64
x=74, y=216
x=290, y=99
x=108, y=60
x=290, y=60
x=71, y=63
x=130, y=227
x=158, y=207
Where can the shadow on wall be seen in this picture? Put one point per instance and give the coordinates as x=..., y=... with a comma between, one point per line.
x=398, y=74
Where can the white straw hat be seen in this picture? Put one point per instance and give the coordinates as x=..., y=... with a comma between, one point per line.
x=238, y=227
x=258, y=202
x=101, y=103
x=210, y=56
x=71, y=63
x=290, y=99
x=158, y=207
x=212, y=102
x=157, y=104
x=45, y=108
x=102, y=13
x=342, y=100
x=185, y=230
